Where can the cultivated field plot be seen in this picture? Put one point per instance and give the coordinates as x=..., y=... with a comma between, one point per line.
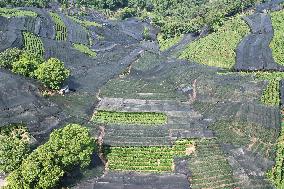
x=148, y=159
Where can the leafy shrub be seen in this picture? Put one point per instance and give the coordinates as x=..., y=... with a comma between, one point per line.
x=218, y=49
x=66, y=149
x=14, y=147
x=8, y=57
x=27, y=64
x=52, y=73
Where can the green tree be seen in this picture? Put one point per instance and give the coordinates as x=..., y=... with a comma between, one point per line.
x=27, y=64
x=8, y=57
x=52, y=73
x=66, y=149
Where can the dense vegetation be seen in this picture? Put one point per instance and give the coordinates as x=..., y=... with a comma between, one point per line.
x=61, y=30
x=84, y=49
x=65, y=150
x=149, y=159
x=14, y=140
x=8, y=57
x=130, y=117
x=277, y=43
x=16, y=12
x=218, y=49
x=276, y=174
x=175, y=17
x=51, y=73
x=27, y=64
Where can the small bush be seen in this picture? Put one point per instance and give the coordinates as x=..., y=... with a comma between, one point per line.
x=14, y=147
x=126, y=13
x=27, y=64
x=146, y=33
x=52, y=73
x=66, y=149
x=8, y=57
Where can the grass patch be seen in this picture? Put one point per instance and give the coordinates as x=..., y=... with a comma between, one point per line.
x=84, y=49
x=218, y=49
x=9, y=12
x=277, y=43
x=61, y=30
x=109, y=117
x=257, y=138
x=33, y=44
x=165, y=44
x=147, y=159
x=276, y=175
x=85, y=23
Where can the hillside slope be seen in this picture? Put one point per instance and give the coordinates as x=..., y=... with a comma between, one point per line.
x=159, y=122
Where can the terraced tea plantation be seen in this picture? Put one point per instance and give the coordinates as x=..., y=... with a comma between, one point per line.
x=129, y=117
x=61, y=30
x=33, y=43
x=147, y=159
x=209, y=167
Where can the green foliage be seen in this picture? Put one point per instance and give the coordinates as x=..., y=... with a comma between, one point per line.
x=168, y=43
x=146, y=159
x=9, y=12
x=130, y=117
x=33, y=44
x=66, y=149
x=52, y=73
x=14, y=140
x=84, y=49
x=8, y=57
x=61, y=30
x=271, y=95
x=276, y=175
x=277, y=44
x=218, y=49
x=27, y=64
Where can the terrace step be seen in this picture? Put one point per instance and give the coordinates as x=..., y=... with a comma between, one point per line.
x=131, y=180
